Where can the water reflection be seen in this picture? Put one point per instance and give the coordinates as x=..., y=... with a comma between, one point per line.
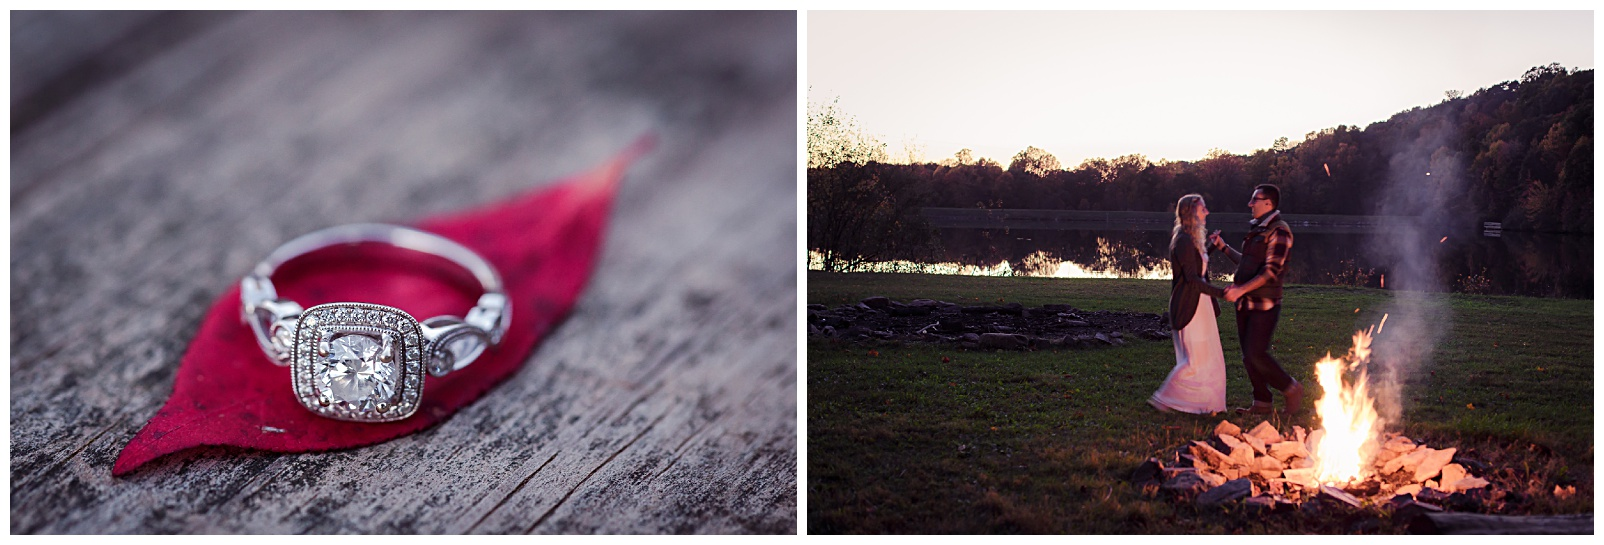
x=1532, y=264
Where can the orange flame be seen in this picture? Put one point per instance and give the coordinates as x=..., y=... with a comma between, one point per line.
x=1348, y=418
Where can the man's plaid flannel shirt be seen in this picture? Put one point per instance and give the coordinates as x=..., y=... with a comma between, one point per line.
x=1275, y=261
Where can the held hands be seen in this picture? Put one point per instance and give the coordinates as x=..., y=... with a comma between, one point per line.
x=1232, y=293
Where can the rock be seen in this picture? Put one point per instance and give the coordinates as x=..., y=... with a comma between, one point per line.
x=1225, y=427
x=1168, y=473
x=1268, y=466
x=1254, y=442
x=905, y=310
x=1006, y=341
x=1382, y=457
x=1430, y=494
x=1103, y=337
x=1408, y=462
x=816, y=308
x=1465, y=501
x=1259, y=504
x=1186, y=459
x=1230, y=491
x=1398, y=444
x=1243, y=455
x=1213, y=479
x=1015, y=309
x=1147, y=472
x=1433, y=463
x=876, y=302
x=1116, y=335
x=1266, y=433
x=1303, y=477
x=1208, y=454
x=1299, y=434
x=1337, y=495
x=1472, y=466
x=1410, y=489
x=1451, y=474
x=1275, y=486
x=1469, y=483
x=1231, y=442
x=1188, y=482
x=971, y=338
x=831, y=320
x=1286, y=450
x=1301, y=463
x=1313, y=441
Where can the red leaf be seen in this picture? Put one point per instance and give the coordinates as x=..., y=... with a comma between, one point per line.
x=544, y=243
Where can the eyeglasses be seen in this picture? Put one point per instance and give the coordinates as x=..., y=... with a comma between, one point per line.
x=1258, y=199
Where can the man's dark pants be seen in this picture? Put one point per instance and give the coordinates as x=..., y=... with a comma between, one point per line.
x=1254, y=329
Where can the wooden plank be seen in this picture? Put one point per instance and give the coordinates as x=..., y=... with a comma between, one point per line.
x=667, y=401
x=1478, y=524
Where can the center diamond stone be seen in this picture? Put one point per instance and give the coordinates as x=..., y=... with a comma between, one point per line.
x=355, y=372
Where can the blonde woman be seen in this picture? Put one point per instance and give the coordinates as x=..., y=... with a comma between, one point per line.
x=1197, y=383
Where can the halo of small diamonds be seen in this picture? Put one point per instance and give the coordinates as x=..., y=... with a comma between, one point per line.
x=392, y=387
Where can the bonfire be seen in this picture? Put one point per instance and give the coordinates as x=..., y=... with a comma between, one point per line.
x=1349, y=454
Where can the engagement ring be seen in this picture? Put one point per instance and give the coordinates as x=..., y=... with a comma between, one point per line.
x=363, y=362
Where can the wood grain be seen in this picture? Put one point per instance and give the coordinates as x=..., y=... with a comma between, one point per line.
x=665, y=403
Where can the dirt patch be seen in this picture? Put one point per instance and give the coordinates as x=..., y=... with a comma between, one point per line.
x=1011, y=326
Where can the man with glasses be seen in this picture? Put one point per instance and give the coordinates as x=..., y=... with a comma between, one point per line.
x=1256, y=290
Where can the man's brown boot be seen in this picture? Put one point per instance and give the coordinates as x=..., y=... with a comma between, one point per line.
x=1294, y=397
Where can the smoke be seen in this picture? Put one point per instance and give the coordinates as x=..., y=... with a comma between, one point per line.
x=1425, y=186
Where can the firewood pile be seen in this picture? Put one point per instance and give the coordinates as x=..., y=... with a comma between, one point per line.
x=1263, y=467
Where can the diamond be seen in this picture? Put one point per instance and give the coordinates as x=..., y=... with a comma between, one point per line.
x=352, y=373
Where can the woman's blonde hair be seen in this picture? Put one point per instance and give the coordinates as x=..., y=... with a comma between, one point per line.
x=1186, y=221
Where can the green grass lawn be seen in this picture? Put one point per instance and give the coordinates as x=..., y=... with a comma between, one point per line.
x=915, y=438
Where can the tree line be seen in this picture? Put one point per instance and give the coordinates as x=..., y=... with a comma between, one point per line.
x=1519, y=152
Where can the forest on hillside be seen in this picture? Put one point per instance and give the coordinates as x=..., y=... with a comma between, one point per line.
x=1519, y=152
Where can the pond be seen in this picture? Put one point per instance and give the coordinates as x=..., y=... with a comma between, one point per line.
x=1497, y=263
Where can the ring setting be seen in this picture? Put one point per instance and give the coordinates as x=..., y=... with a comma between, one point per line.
x=356, y=361
x=364, y=362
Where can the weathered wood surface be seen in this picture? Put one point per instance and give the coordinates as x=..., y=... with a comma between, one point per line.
x=666, y=402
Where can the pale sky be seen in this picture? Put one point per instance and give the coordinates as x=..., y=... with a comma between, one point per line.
x=1164, y=84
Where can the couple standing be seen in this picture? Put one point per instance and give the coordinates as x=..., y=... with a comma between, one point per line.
x=1197, y=384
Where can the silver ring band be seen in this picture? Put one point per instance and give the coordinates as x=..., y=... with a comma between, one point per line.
x=364, y=362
